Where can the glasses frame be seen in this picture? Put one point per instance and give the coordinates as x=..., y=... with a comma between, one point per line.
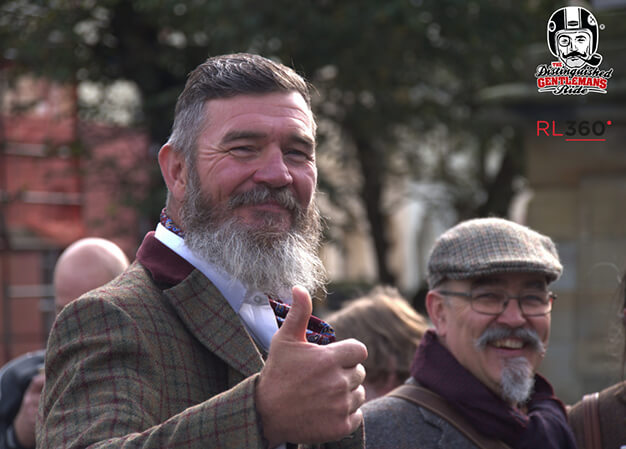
x=469, y=296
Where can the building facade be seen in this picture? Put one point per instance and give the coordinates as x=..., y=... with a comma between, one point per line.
x=60, y=180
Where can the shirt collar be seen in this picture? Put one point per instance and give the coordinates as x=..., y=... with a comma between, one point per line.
x=232, y=289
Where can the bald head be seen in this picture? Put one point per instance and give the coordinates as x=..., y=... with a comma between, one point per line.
x=84, y=265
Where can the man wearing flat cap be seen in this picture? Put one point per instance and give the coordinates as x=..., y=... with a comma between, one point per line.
x=473, y=380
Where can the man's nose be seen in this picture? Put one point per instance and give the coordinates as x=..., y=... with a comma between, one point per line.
x=512, y=314
x=272, y=170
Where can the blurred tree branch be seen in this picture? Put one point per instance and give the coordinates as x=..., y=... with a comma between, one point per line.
x=399, y=80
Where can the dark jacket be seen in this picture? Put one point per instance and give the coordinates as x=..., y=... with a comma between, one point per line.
x=394, y=423
x=15, y=377
x=612, y=410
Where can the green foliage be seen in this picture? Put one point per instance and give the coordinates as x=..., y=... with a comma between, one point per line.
x=400, y=79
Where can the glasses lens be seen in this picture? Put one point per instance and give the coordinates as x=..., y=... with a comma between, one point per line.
x=490, y=302
x=493, y=302
x=536, y=303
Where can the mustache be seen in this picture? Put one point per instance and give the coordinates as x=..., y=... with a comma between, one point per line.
x=528, y=336
x=575, y=53
x=262, y=194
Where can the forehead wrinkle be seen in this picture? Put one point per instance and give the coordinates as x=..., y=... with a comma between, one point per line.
x=231, y=136
x=538, y=282
x=301, y=138
x=299, y=119
x=261, y=104
x=487, y=281
x=535, y=283
x=295, y=137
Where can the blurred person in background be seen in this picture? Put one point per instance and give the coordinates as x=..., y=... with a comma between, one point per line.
x=599, y=419
x=390, y=329
x=84, y=265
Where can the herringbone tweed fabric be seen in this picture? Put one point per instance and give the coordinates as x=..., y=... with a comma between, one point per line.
x=486, y=246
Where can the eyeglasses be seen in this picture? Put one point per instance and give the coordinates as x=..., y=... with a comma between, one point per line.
x=494, y=301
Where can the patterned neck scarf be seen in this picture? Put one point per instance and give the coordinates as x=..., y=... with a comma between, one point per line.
x=545, y=426
x=318, y=331
x=169, y=224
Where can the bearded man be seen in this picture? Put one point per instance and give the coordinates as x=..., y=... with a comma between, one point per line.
x=473, y=380
x=176, y=352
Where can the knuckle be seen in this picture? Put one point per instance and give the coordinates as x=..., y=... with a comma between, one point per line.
x=339, y=408
x=361, y=373
x=359, y=396
x=344, y=406
x=343, y=384
x=356, y=347
x=326, y=359
x=347, y=426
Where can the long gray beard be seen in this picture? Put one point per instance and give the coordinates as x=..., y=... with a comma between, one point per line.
x=517, y=381
x=271, y=262
x=270, y=267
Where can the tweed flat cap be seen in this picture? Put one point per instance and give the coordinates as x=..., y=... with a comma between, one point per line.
x=485, y=246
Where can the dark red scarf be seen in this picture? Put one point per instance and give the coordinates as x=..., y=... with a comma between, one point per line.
x=545, y=426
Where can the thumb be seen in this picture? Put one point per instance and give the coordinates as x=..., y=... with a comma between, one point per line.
x=297, y=320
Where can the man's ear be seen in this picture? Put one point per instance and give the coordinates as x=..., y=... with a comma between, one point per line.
x=437, y=311
x=174, y=171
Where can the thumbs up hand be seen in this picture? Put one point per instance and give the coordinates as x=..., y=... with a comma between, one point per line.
x=308, y=393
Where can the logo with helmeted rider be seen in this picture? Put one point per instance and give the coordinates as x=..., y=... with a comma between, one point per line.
x=573, y=35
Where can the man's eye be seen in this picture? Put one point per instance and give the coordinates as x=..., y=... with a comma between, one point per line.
x=241, y=151
x=297, y=155
x=533, y=299
x=487, y=296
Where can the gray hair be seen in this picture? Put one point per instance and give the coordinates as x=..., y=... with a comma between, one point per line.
x=224, y=77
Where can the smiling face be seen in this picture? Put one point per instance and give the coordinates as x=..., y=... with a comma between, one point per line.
x=258, y=140
x=460, y=328
x=574, y=47
x=245, y=204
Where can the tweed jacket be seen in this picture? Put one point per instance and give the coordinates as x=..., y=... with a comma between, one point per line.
x=394, y=423
x=612, y=411
x=155, y=359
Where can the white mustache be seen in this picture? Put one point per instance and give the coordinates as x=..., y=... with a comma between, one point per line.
x=528, y=336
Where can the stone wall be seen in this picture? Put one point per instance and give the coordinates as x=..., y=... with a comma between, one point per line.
x=579, y=199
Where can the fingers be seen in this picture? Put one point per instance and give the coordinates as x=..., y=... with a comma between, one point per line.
x=355, y=420
x=357, y=398
x=352, y=420
x=306, y=392
x=36, y=384
x=24, y=422
x=358, y=376
x=349, y=352
x=295, y=325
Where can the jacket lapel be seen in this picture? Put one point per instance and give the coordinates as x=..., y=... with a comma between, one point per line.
x=201, y=307
x=210, y=318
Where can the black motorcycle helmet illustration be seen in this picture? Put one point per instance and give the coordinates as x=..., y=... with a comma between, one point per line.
x=573, y=37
